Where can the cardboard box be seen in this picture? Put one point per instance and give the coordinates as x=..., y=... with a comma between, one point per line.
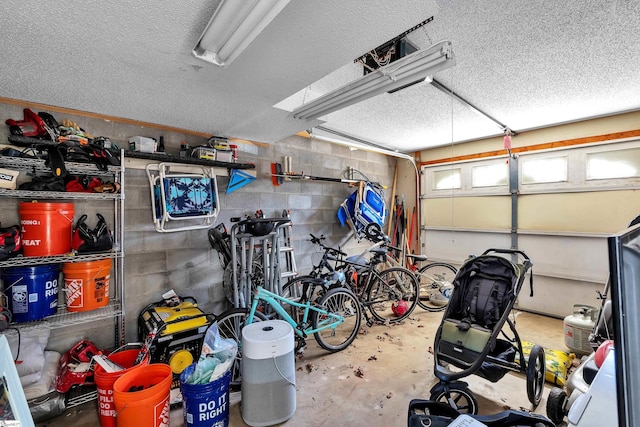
x=142, y=144
x=224, y=155
x=8, y=178
x=205, y=153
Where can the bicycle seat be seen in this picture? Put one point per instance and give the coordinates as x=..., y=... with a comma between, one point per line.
x=417, y=258
x=379, y=251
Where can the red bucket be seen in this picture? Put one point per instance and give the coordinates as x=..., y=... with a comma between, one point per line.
x=105, y=380
x=46, y=228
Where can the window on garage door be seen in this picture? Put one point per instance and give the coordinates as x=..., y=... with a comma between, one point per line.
x=480, y=177
x=447, y=179
x=613, y=164
x=490, y=175
x=543, y=170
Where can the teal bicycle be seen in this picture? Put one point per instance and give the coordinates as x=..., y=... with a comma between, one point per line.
x=332, y=316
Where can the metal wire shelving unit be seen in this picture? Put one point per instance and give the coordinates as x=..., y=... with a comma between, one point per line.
x=115, y=308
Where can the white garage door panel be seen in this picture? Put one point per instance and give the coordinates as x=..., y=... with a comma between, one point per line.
x=581, y=258
x=456, y=246
x=556, y=260
x=562, y=223
x=556, y=297
x=490, y=212
x=588, y=212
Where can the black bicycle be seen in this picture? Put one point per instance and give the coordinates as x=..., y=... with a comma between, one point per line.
x=389, y=294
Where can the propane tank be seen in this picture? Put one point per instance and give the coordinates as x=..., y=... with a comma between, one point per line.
x=577, y=328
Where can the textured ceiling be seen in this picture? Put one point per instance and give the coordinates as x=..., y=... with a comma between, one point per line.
x=528, y=64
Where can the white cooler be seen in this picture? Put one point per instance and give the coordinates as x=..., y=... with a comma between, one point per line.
x=268, y=373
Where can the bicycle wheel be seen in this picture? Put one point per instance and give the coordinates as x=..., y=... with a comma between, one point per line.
x=219, y=241
x=387, y=291
x=293, y=290
x=230, y=324
x=344, y=303
x=435, y=285
x=256, y=277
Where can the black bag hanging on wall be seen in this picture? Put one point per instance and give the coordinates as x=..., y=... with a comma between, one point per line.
x=87, y=240
x=9, y=241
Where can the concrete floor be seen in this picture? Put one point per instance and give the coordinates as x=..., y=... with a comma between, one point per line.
x=373, y=380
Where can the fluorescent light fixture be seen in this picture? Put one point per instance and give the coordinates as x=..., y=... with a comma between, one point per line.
x=409, y=69
x=233, y=27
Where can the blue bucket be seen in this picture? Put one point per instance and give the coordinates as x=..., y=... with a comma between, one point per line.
x=205, y=405
x=32, y=291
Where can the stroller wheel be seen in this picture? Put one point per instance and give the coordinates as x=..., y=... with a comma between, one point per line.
x=459, y=398
x=535, y=374
x=556, y=402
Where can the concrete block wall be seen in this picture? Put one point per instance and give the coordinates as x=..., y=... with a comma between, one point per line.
x=184, y=261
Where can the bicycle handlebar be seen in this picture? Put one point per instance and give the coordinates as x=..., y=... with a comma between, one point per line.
x=318, y=241
x=394, y=248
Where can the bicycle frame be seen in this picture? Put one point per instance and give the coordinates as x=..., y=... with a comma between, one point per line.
x=372, y=274
x=354, y=260
x=302, y=328
x=369, y=266
x=389, y=261
x=360, y=262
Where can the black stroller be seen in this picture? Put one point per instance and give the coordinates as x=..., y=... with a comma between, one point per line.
x=485, y=290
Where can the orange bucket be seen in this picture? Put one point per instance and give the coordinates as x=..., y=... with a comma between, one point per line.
x=46, y=228
x=86, y=284
x=105, y=380
x=142, y=396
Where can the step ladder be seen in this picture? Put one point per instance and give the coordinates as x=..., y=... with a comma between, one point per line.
x=287, y=259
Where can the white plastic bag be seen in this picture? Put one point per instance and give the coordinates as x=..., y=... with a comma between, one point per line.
x=30, y=355
x=216, y=357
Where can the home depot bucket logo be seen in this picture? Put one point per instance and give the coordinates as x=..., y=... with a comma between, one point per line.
x=162, y=413
x=73, y=288
x=29, y=223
